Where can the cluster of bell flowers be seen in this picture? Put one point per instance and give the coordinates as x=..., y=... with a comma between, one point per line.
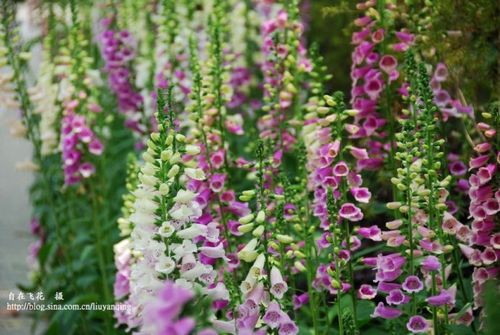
x=375, y=76
x=165, y=240
x=419, y=232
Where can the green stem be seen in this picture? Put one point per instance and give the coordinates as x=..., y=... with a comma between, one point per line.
x=310, y=248
x=347, y=235
x=351, y=275
x=101, y=259
x=392, y=164
x=434, y=309
x=456, y=265
x=410, y=234
x=333, y=220
x=261, y=205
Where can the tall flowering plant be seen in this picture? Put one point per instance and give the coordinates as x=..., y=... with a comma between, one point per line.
x=374, y=73
x=420, y=272
x=479, y=239
x=334, y=184
x=118, y=50
x=165, y=239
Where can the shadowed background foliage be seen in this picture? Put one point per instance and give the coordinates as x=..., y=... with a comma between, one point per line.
x=463, y=34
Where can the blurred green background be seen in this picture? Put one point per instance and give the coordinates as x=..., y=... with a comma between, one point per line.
x=464, y=34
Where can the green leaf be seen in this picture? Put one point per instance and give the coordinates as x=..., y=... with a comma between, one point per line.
x=374, y=331
x=345, y=302
x=46, y=251
x=88, y=252
x=492, y=308
x=364, y=310
x=87, y=280
x=53, y=328
x=460, y=330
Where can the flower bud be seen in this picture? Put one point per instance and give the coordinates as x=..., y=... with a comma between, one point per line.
x=244, y=198
x=147, y=157
x=258, y=231
x=148, y=180
x=291, y=88
x=352, y=112
x=285, y=239
x=248, y=253
x=299, y=254
x=310, y=116
x=181, y=138
x=331, y=102
x=335, y=284
x=176, y=158
x=123, y=221
x=249, y=193
x=174, y=170
x=151, y=144
x=393, y=205
x=24, y=55
x=322, y=110
x=169, y=140
x=246, y=219
x=165, y=155
x=196, y=174
x=155, y=136
x=245, y=228
x=192, y=150
x=448, y=248
x=299, y=266
x=261, y=216
x=424, y=192
x=395, y=180
x=164, y=189
x=444, y=183
x=279, y=196
x=441, y=206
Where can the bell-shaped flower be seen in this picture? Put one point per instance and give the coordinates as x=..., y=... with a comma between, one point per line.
x=431, y=263
x=213, y=252
x=413, y=284
x=366, y=292
x=417, y=325
x=381, y=311
x=278, y=285
x=248, y=253
x=350, y=212
x=195, y=230
x=373, y=233
x=258, y=266
x=273, y=315
x=287, y=326
x=219, y=292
